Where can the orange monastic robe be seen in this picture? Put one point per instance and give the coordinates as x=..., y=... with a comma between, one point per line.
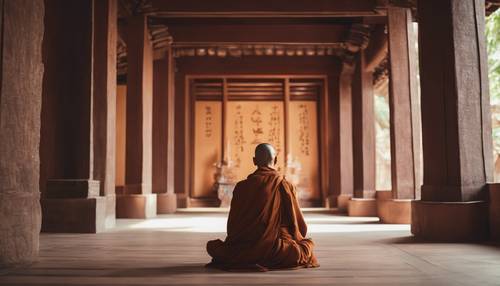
x=265, y=228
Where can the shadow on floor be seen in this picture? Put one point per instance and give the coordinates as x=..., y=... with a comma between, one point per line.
x=194, y=268
x=414, y=240
x=182, y=269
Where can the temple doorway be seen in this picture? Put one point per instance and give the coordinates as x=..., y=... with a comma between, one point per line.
x=232, y=114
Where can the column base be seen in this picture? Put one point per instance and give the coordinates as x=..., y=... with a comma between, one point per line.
x=343, y=202
x=120, y=190
x=166, y=203
x=494, y=190
x=304, y=203
x=450, y=221
x=72, y=189
x=330, y=202
x=393, y=211
x=110, y=220
x=362, y=207
x=203, y=203
x=20, y=218
x=138, y=206
x=182, y=200
x=80, y=215
x=383, y=195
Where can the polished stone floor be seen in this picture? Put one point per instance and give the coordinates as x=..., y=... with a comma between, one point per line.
x=170, y=250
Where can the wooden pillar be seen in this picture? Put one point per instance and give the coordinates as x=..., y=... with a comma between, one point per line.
x=138, y=200
x=403, y=103
x=456, y=121
x=404, y=118
x=181, y=131
x=363, y=120
x=343, y=161
x=104, y=103
x=163, y=133
x=21, y=73
x=71, y=195
x=363, y=202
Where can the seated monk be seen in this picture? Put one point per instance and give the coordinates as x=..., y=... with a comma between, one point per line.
x=265, y=228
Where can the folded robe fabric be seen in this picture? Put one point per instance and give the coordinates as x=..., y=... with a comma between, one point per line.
x=265, y=228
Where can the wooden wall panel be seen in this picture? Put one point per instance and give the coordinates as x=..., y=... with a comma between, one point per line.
x=304, y=147
x=249, y=124
x=207, y=146
x=190, y=66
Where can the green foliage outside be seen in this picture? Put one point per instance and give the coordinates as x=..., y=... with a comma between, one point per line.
x=493, y=47
x=383, y=141
x=492, y=32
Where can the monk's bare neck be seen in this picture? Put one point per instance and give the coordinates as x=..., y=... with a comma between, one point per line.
x=266, y=166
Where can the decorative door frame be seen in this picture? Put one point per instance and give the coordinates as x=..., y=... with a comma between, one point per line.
x=322, y=120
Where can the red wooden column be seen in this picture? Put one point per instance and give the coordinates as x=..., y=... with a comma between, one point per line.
x=163, y=133
x=342, y=151
x=71, y=198
x=138, y=201
x=363, y=120
x=21, y=73
x=404, y=117
x=363, y=127
x=104, y=103
x=455, y=123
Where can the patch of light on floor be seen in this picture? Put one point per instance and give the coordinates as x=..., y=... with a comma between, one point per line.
x=184, y=224
x=200, y=223
x=351, y=228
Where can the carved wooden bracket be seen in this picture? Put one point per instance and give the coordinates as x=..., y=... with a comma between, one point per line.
x=381, y=72
x=357, y=40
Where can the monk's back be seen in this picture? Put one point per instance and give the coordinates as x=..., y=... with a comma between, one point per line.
x=263, y=226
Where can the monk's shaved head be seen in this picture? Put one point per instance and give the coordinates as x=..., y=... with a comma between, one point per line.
x=265, y=155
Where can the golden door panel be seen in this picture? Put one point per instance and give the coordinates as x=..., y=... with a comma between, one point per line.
x=208, y=141
x=250, y=123
x=304, y=154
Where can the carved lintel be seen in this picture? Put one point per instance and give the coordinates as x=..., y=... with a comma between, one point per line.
x=258, y=49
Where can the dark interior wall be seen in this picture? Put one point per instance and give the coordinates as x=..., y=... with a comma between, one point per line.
x=254, y=65
x=67, y=54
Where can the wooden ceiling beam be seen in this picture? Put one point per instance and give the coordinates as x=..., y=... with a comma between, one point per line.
x=264, y=9
x=258, y=33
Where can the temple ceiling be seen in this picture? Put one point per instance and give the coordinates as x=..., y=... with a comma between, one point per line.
x=228, y=28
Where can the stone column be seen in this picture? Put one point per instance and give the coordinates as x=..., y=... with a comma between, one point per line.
x=404, y=118
x=456, y=125
x=71, y=194
x=104, y=107
x=138, y=201
x=342, y=150
x=363, y=121
x=21, y=72
x=163, y=133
